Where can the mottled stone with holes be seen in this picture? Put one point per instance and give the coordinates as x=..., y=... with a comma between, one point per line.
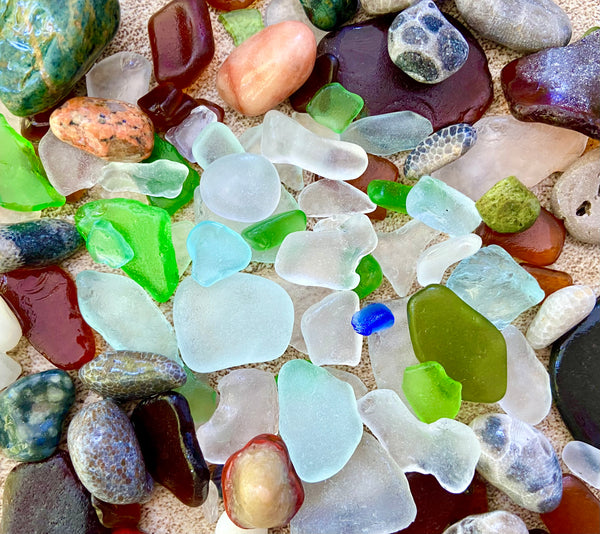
x=425, y=45
x=439, y=149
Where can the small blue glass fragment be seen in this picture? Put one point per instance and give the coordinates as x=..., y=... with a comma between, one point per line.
x=372, y=318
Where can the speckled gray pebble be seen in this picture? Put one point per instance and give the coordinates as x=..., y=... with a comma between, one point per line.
x=519, y=460
x=106, y=454
x=523, y=25
x=439, y=149
x=125, y=374
x=425, y=45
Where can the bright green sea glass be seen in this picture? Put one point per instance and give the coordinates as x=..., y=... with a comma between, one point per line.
x=241, y=24
x=334, y=106
x=370, y=274
x=271, y=232
x=389, y=195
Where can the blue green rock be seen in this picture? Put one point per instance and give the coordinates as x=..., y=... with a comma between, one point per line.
x=47, y=46
x=32, y=413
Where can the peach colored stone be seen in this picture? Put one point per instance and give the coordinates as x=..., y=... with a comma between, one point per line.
x=267, y=68
x=109, y=129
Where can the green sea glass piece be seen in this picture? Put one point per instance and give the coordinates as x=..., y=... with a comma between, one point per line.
x=271, y=232
x=241, y=24
x=107, y=245
x=335, y=107
x=389, y=195
x=23, y=183
x=443, y=328
x=147, y=230
x=179, y=232
x=509, y=206
x=165, y=150
x=200, y=396
x=370, y=274
x=431, y=393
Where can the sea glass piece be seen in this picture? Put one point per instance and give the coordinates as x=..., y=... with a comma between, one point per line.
x=372, y=318
x=431, y=393
x=489, y=523
x=388, y=133
x=184, y=134
x=282, y=10
x=285, y=141
x=425, y=45
x=434, y=260
x=365, y=68
x=288, y=53
x=539, y=245
x=165, y=429
x=326, y=328
x=397, y=253
x=323, y=73
x=242, y=319
x=389, y=195
x=117, y=515
x=147, y=230
x=370, y=274
x=106, y=454
x=108, y=300
x=329, y=255
x=334, y=107
x=535, y=86
x=28, y=188
x=494, y=284
x=584, y=461
x=439, y=149
x=247, y=407
x=329, y=15
x=44, y=300
x=10, y=370
x=385, y=506
x=167, y=106
x=445, y=329
x=504, y=147
x=528, y=396
x=271, y=232
x=260, y=486
x=106, y=245
x=227, y=526
x=325, y=198
x=214, y=141
x=314, y=403
x=508, y=207
x=33, y=413
x=560, y=312
x=241, y=24
x=442, y=207
x=578, y=511
x=519, y=460
x=122, y=76
x=34, y=127
x=573, y=368
x=181, y=40
x=202, y=399
x=11, y=216
x=550, y=280
x=356, y=383
x=305, y=120
x=446, y=449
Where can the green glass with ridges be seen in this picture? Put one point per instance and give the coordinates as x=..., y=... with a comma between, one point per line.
x=165, y=150
x=431, y=393
x=370, y=274
x=108, y=246
x=200, y=396
x=271, y=232
x=24, y=185
x=389, y=195
x=335, y=107
x=241, y=24
x=147, y=230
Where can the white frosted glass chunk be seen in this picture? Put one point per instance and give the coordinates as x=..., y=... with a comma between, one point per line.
x=213, y=142
x=325, y=198
x=10, y=328
x=210, y=507
x=304, y=119
x=583, y=460
x=357, y=384
x=183, y=135
x=227, y=526
x=498, y=522
x=281, y=10
x=10, y=370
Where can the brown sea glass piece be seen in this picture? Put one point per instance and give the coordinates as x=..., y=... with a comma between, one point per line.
x=437, y=508
x=378, y=169
x=550, y=280
x=540, y=245
x=367, y=70
x=36, y=126
x=181, y=40
x=229, y=5
x=117, y=515
x=167, y=106
x=578, y=511
x=44, y=299
x=324, y=72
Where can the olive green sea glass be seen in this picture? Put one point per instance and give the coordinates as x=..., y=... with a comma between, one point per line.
x=24, y=185
x=271, y=232
x=431, y=393
x=370, y=274
x=389, y=195
x=241, y=24
x=334, y=107
x=443, y=328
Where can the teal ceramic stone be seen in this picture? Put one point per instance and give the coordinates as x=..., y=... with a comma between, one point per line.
x=32, y=413
x=47, y=46
x=329, y=14
x=495, y=285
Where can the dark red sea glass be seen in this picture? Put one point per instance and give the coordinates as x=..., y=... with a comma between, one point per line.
x=181, y=40
x=437, y=508
x=229, y=5
x=126, y=531
x=218, y=110
x=367, y=70
x=167, y=106
x=324, y=72
x=117, y=515
x=44, y=299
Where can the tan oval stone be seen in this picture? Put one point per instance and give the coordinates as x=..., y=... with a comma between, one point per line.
x=109, y=129
x=267, y=68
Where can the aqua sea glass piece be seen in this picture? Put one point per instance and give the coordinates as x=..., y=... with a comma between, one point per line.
x=241, y=24
x=334, y=106
x=107, y=245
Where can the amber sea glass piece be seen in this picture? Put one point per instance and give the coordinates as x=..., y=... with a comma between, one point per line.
x=540, y=245
x=117, y=515
x=167, y=106
x=44, y=300
x=324, y=72
x=578, y=511
x=181, y=40
x=550, y=280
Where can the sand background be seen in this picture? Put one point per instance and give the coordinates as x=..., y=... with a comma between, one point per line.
x=164, y=514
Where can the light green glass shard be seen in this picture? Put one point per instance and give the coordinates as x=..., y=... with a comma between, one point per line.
x=108, y=246
x=180, y=231
x=335, y=107
x=200, y=396
x=241, y=24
